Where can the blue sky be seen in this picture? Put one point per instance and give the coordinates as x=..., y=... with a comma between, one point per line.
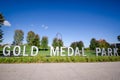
x=75, y=19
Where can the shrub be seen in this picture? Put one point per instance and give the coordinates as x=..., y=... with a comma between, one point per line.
x=58, y=59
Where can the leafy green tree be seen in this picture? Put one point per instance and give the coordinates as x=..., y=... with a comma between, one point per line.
x=103, y=44
x=73, y=45
x=118, y=37
x=36, y=41
x=60, y=43
x=1, y=23
x=98, y=43
x=80, y=44
x=30, y=37
x=18, y=37
x=54, y=43
x=93, y=44
x=57, y=42
x=44, y=42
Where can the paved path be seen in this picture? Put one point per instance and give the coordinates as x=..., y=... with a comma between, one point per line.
x=61, y=71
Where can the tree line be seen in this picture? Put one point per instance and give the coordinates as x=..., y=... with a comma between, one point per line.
x=93, y=44
x=34, y=39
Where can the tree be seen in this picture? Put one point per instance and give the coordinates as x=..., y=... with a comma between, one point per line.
x=30, y=37
x=93, y=44
x=33, y=39
x=118, y=37
x=54, y=43
x=103, y=43
x=44, y=42
x=1, y=23
x=60, y=43
x=18, y=37
x=80, y=45
x=57, y=42
x=36, y=41
x=73, y=45
x=98, y=43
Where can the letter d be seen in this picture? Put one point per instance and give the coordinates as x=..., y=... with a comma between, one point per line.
x=32, y=49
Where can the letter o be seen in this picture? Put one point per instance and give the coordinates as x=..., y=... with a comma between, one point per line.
x=14, y=50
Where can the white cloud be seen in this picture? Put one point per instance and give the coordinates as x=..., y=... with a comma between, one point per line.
x=44, y=27
x=6, y=23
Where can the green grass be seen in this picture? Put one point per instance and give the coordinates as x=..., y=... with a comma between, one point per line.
x=44, y=57
x=47, y=53
x=58, y=59
x=90, y=53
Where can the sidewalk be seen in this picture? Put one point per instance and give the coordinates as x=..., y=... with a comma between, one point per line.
x=61, y=71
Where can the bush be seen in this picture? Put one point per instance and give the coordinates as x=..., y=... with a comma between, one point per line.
x=58, y=59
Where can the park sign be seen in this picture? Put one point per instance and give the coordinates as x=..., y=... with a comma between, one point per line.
x=58, y=51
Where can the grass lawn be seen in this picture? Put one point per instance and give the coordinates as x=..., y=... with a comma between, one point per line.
x=46, y=53
x=44, y=56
